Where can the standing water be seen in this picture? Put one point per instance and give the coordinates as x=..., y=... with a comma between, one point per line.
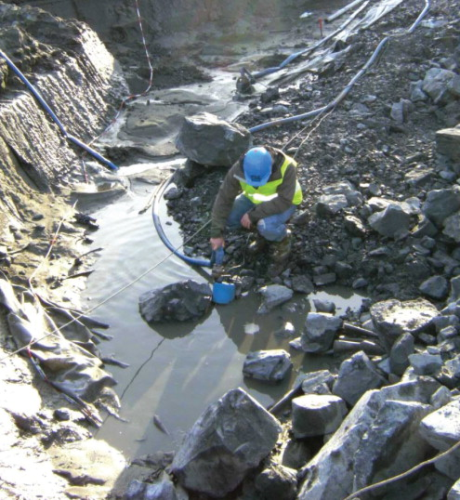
x=177, y=369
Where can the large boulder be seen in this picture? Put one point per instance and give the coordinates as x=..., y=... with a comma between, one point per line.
x=231, y=437
x=210, y=141
x=378, y=439
x=393, y=317
x=180, y=301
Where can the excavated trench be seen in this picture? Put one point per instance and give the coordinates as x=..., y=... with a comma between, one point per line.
x=176, y=370
x=197, y=49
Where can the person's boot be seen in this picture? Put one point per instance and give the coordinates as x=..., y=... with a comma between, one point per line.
x=280, y=253
x=257, y=245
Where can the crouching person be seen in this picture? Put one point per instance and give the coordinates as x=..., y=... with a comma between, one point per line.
x=260, y=192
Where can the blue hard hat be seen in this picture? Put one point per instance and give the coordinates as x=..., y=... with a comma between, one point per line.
x=257, y=166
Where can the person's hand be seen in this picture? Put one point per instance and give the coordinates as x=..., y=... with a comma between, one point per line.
x=246, y=221
x=216, y=243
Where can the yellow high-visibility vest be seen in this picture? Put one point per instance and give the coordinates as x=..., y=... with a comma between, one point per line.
x=268, y=191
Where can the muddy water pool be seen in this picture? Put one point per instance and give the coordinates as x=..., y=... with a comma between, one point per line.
x=176, y=370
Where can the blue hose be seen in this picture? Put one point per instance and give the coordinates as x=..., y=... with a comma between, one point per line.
x=51, y=113
x=164, y=238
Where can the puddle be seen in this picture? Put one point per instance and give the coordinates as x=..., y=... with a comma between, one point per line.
x=176, y=370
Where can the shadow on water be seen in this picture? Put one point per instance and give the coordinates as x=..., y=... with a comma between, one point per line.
x=177, y=369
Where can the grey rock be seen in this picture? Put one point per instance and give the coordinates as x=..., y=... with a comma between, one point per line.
x=329, y=205
x=435, y=287
x=390, y=222
x=367, y=445
x=354, y=225
x=295, y=454
x=440, y=203
x=325, y=279
x=444, y=321
x=416, y=92
x=346, y=188
x=425, y=364
x=453, y=86
x=272, y=296
x=230, y=438
x=447, y=333
x=441, y=397
x=210, y=141
x=419, y=176
x=359, y=283
x=400, y=110
x=181, y=301
x=325, y=306
x=163, y=489
x=314, y=382
x=356, y=376
x=454, y=294
x=452, y=227
x=435, y=83
x=399, y=354
x=277, y=482
x=454, y=492
x=302, y=284
x=172, y=192
x=393, y=317
x=441, y=428
x=319, y=332
x=135, y=490
x=269, y=366
x=449, y=374
x=317, y=415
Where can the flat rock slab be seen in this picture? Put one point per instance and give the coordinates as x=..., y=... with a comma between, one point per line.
x=393, y=317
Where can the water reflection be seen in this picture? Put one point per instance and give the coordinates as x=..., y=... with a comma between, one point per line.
x=177, y=369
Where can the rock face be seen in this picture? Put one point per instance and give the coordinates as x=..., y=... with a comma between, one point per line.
x=180, y=301
x=230, y=438
x=78, y=87
x=210, y=141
